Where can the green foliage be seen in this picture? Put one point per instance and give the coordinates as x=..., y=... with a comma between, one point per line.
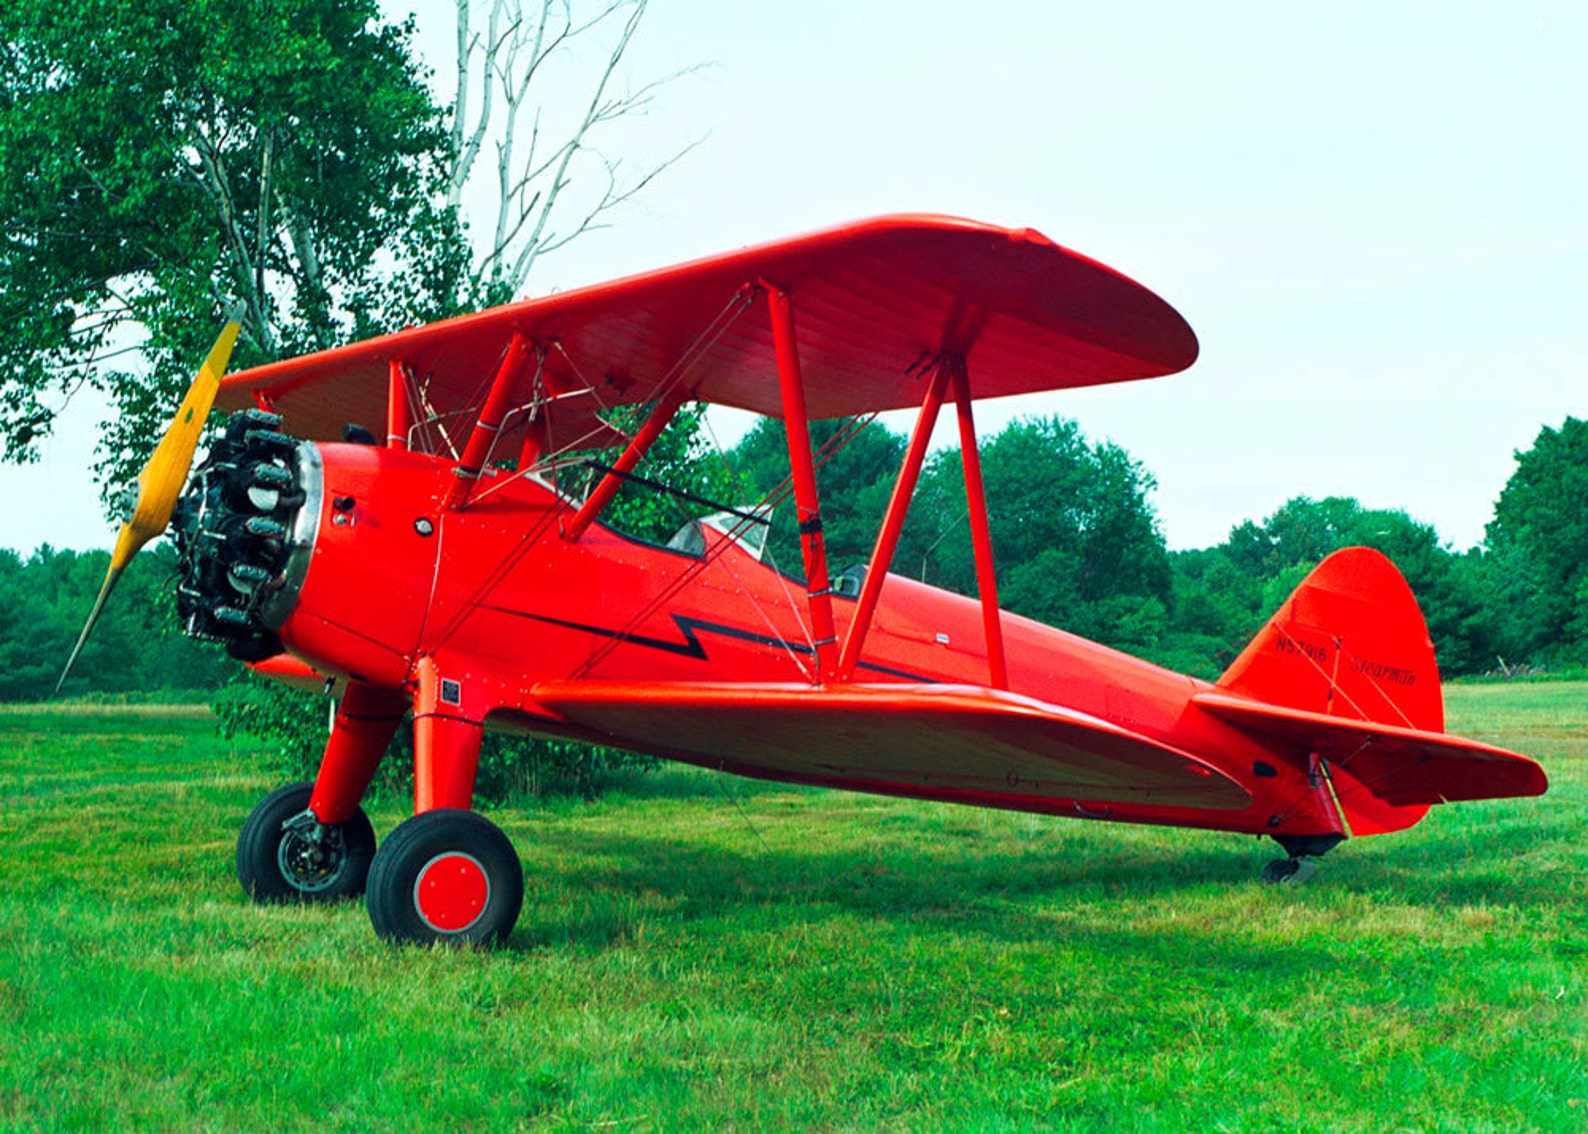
x=1537, y=566
x=284, y=161
x=1223, y=593
x=683, y=459
x=853, y=479
x=137, y=648
x=1074, y=535
x=291, y=727
x=168, y=163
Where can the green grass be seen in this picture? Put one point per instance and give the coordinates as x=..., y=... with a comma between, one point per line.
x=789, y=959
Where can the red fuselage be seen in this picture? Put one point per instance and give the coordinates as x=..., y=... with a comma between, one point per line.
x=505, y=601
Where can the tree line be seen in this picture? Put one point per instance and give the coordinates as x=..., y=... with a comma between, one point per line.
x=166, y=165
x=1075, y=537
x=1078, y=545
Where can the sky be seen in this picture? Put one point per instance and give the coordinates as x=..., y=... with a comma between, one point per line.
x=1373, y=214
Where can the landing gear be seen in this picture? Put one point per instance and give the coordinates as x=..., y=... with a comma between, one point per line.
x=448, y=876
x=1289, y=871
x=285, y=854
x=1304, y=852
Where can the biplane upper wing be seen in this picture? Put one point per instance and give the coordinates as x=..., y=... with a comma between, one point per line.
x=875, y=302
x=902, y=738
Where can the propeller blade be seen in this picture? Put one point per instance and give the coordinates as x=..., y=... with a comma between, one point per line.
x=161, y=481
x=162, y=478
x=93, y=617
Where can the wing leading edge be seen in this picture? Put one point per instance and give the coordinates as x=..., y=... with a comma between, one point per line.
x=904, y=737
x=874, y=302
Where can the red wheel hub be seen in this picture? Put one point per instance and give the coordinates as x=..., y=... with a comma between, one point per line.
x=451, y=892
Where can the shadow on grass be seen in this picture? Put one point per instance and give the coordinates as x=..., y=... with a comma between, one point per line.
x=966, y=889
x=995, y=888
x=788, y=916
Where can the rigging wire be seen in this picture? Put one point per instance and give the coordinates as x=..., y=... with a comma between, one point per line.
x=770, y=500
x=720, y=779
x=714, y=330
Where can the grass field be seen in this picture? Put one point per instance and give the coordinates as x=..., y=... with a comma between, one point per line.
x=701, y=954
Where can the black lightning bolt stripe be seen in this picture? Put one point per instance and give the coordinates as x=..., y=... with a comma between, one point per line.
x=692, y=646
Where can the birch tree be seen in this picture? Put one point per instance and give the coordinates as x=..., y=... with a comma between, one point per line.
x=168, y=164
x=548, y=177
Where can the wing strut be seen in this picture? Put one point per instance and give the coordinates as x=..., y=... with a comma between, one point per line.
x=893, y=522
x=949, y=368
x=483, y=436
x=637, y=448
x=807, y=506
x=980, y=533
x=399, y=412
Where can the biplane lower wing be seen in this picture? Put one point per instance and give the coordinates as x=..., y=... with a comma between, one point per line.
x=920, y=737
x=1404, y=767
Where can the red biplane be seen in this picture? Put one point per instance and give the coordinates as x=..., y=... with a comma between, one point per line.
x=446, y=575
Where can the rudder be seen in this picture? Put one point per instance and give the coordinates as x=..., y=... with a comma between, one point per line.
x=1350, y=642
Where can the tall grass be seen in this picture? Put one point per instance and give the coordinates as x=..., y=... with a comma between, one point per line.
x=712, y=954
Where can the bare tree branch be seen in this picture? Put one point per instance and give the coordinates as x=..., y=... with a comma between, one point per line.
x=219, y=187
x=264, y=212
x=536, y=188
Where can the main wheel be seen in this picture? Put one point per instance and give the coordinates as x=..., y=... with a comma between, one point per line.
x=447, y=875
x=285, y=855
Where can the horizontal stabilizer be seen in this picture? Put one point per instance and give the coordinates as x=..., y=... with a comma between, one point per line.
x=1401, y=766
x=904, y=737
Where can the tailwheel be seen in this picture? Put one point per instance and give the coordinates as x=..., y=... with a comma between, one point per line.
x=448, y=876
x=1304, y=852
x=285, y=854
x=1289, y=871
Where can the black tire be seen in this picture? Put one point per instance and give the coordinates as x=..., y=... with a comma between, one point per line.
x=1289, y=871
x=276, y=863
x=449, y=876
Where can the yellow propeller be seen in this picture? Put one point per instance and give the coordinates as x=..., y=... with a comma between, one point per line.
x=161, y=481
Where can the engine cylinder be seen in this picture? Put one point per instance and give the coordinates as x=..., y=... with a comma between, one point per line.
x=240, y=534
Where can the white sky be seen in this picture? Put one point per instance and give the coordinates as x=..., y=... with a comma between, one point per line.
x=1373, y=214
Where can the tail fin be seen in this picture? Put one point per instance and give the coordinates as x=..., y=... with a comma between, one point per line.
x=1345, y=670
x=1350, y=642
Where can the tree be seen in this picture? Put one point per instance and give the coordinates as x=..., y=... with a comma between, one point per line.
x=1537, y=564
x=1224, y=593
x=281, y=161
x=854, y=476
x=1075, y=539
x=166, y=163
x=553, y=178
x=681, y=459
x=140, y=649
